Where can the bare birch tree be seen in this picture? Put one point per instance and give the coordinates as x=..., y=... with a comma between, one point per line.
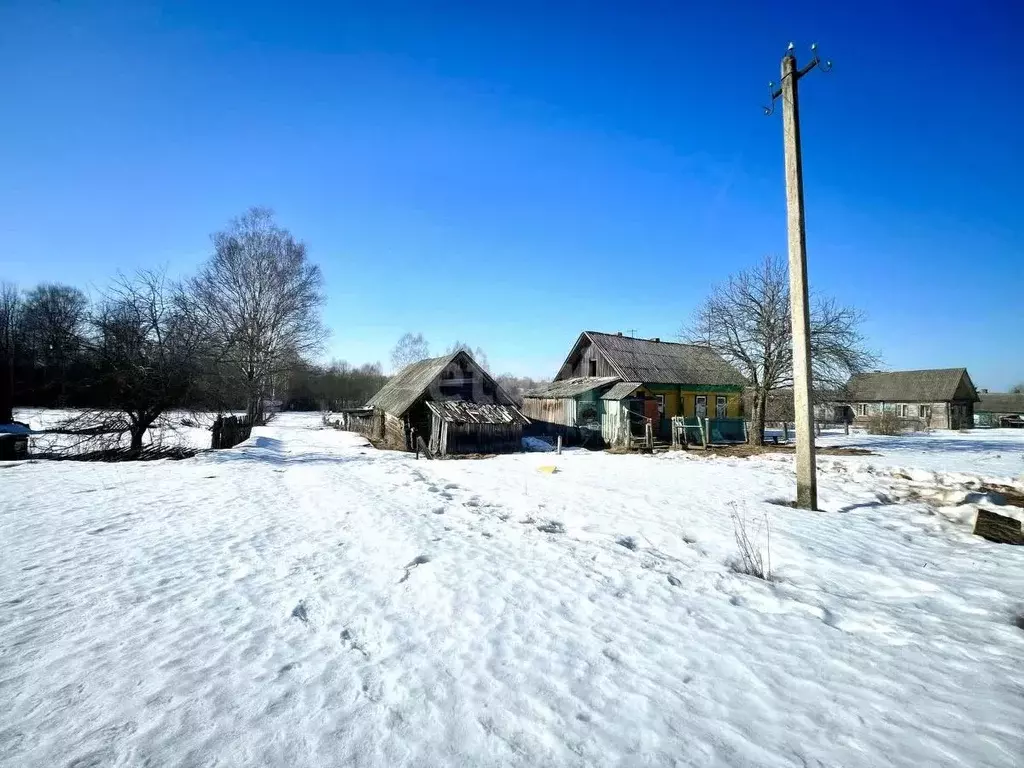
x=746, y=320
x=261, y=297
x=477, y=353
x=409, y=349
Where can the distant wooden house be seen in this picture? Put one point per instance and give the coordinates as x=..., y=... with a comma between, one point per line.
x=943, y=398
x=449, y=402
x=611, y=385
x=999, y=409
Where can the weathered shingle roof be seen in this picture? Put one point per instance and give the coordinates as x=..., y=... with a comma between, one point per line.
x=571, y=387
x=461, y=412
x=936, y=385
x=413, y=381
x=405, y=387
x=620, y=390
x=999, y=402
x=664, y=362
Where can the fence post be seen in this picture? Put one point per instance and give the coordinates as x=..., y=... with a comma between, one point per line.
x=558, y=450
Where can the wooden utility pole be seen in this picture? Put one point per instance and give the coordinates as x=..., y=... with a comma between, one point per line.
x=800, y=316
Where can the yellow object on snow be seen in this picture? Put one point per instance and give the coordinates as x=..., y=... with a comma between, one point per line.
x=548, y=470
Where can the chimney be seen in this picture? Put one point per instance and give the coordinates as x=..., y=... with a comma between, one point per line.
x=656, y=340
x=618, y=333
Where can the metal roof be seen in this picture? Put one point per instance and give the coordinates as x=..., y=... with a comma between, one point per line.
x=620, y=390
x=461, y=412
x=571, y=387
x=938, y=385
x=664, y=362
x=999, y=402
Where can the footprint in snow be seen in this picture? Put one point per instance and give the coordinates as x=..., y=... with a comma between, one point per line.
x=300, y=612
x=418, y=560
x=552, y=526
x=628, y=542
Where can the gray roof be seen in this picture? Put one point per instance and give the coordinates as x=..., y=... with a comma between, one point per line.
x=412, y=382
x=620, y=390
x=664, y=362
x=461, y=412
x=999, y=402
x=571, y=387
x=938, y=385
x=405, y=387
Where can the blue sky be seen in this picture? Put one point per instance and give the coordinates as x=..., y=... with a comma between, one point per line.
x=509, y=174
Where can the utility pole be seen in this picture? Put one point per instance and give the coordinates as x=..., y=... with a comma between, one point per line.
x=800, y=316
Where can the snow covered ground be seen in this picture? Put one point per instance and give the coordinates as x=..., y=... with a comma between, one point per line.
x=986, y=452
x=307, y=600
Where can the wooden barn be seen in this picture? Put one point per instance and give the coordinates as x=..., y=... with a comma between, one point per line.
x=615, y=385
x=941, y=398
x=999, y=409
x=451, y=404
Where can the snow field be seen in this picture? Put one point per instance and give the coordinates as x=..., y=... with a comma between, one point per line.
x=307, y=600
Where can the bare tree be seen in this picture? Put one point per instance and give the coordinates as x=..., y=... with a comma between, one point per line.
x=147, y=354
x=1017, y=389
x=410, y=348
x=10, y=313
x=261, y=297
x=54, y=318
x=514, y=386
x=477, y=353
x=746, y=321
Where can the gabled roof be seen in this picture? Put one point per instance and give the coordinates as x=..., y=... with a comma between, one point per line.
x=408, y=385
x=662, y=362
x=999, y=402
x=461, y=412
x=938, y=385
x=571, y=387
x=621, y=390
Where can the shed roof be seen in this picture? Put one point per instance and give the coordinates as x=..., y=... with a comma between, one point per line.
x=405, y=387
x=664, y=362
x=413, y=381
x=937, y=385
x=462, y=412
x=999, y=402
x=620, y=390
x=571, y=387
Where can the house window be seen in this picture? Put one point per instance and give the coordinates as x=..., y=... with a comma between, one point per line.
x=925, y=412
x=721, y=406
x=862, y=409
x=700, y=406
x=661, y=405
x=592, y=367
x=901, y=410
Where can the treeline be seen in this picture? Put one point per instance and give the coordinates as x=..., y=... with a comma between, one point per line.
x=332, y=387
x=229, y=337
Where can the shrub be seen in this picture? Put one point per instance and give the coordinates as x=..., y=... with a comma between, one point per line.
x=752, y=561
x=885, y=423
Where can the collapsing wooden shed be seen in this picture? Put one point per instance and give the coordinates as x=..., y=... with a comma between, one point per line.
x=461, y=427
x=449, y=403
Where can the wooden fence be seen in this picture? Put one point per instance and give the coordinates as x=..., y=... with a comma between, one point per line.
x=229, y=431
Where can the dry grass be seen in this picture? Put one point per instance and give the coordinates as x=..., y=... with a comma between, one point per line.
x=753, y=560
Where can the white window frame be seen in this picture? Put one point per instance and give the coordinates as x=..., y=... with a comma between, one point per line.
x=661, y=405
x=724, y=402
x=924, y=412
x=696, y=411
x=902, y=410
x=862, y=409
